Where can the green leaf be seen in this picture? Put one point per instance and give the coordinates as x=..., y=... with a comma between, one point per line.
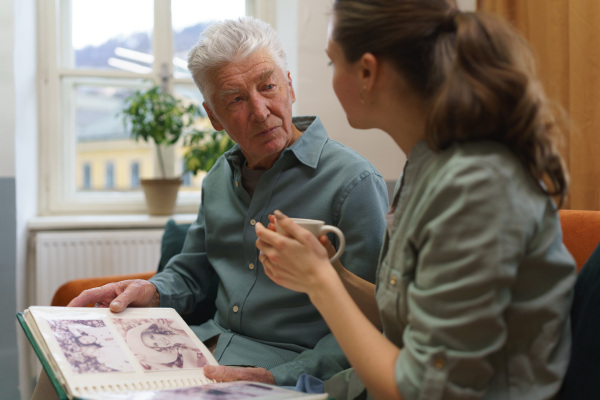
x=203, y=149
x=157, y=116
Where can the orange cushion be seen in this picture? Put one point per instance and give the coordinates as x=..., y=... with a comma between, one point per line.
x=581, y=233
x=69, y=290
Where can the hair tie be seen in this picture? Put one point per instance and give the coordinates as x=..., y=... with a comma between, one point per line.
x=449, y=22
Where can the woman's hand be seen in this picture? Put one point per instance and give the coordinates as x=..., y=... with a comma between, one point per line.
x=272, y=223
x=296, y=260
x=331, y=250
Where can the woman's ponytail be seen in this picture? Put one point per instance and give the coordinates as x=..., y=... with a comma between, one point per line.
x=490, y=92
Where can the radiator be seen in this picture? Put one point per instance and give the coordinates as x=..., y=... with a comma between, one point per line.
x=65, y=255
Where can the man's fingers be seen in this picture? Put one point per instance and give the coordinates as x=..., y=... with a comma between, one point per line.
x=117, y=295
x=223, y=373
x=136, y=293
x=118, y=304
x=86, y=297
x=219, y=373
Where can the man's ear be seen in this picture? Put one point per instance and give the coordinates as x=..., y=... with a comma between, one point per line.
x=292, y=93
x=211, y=116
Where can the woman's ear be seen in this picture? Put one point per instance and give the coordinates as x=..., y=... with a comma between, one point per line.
x=369, y=71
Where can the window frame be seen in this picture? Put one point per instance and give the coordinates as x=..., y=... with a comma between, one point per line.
x=57, y=194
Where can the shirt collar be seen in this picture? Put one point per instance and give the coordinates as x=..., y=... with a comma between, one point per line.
x=307, y=148
x=309, y=145
x=419, y=152
x=418, y=160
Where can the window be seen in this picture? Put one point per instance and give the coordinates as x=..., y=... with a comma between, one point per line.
x=187, y=176
x=87, y=177
x=109, y=181
x=92, y=55
x=135, y=175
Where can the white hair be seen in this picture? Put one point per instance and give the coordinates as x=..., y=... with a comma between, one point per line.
x=226, y=40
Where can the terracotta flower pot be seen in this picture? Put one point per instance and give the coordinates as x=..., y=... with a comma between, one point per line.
x=161, y=195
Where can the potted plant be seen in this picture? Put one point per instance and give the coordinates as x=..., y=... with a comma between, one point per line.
x=203, y=148
x=154, y=115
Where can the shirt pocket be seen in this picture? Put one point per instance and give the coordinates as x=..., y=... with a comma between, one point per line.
x=397, y=272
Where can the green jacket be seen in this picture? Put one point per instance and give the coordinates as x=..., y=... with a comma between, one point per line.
x=474, y=283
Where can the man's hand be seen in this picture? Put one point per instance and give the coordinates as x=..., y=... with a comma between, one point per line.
x=222, y=373
x=118, y=295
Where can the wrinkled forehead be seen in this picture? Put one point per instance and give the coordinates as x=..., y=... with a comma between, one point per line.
x=255, y=67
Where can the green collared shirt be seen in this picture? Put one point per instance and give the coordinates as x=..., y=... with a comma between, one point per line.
x=259, y=322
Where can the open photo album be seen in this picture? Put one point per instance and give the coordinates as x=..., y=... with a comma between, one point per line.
x=140, y=353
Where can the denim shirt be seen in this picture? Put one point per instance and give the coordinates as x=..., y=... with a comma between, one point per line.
x=260, y=323
x=474, y=283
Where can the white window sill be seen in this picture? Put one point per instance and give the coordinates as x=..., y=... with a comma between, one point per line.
x=85, y=222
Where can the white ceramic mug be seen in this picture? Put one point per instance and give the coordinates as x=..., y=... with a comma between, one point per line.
x=318, y=228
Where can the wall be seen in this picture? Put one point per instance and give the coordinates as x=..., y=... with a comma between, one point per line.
x=8, y=345
x=26, y=166
x=18, y=180
x=565, y=41
x=8, y=218
x=315, y=93
x=316, y=97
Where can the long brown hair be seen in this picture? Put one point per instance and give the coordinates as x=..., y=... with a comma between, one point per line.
x=474, y=69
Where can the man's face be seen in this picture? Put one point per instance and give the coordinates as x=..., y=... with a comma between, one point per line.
x=252, y=100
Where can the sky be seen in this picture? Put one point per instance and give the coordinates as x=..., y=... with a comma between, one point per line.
x=95, y=22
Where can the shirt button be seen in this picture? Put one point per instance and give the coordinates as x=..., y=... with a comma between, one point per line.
x=251, y=266
x=439, y=363
x=393, y=281
x=236, y=308
x=237, y=184
x=252, y=222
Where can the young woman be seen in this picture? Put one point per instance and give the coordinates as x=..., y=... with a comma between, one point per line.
x=474, y=284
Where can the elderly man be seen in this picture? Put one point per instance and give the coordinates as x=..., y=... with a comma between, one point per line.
x=279, y=162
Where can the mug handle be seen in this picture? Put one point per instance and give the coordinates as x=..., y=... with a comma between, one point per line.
x=333, y=229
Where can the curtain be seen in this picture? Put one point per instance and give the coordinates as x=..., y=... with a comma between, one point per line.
x=565, y=39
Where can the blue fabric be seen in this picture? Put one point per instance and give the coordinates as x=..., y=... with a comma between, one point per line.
x=583, y=376
x=260, y=323
x=171, y=242
x=308, y=384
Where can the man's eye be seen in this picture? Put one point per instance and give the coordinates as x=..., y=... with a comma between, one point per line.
x=269, y=86
x=237, y=100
